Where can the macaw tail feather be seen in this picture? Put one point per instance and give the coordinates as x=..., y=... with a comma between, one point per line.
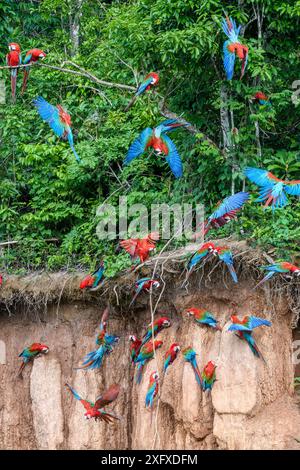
x=25, y=80
x=266, y=278
x=131, y=103
x=108, y=416
x=139, y=373
x=197, y=374
x=93, y=360
x=134, y=298
x=233, y=273
x=256, y=351
x=20, y=371
x=78, y=159
x=13, y=82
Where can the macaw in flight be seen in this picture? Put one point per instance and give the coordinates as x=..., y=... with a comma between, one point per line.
x=31, y=57
x=145, y=355
x=158, y=140
x=209, y=376
x=92, y=281
x=262, y=99
x=232, y=48
x=205, y=250
x=30, y=353
x=58, y=119
x=95, y=410
x=152, y=391
x=134, y=348
x=145, y=284
x=158, y=325
x=171, y=355
x=283, y=267
x=203, y=317
x=189, y=355
x=140, y=248
x=149, y=81
x=273, y=189
x=13, y=59
x=224, y=254
x=244, y=329
x=226, y=211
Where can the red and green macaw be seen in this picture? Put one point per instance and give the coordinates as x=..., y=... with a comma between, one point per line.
x=145, y=284
x=31, y=57
x=203, y=317
x=208, y=376
x=13, y=59
x=189, y=355
x=273, y=189
x=95, y=409
x=171, y=355
x=92, y=281
x=160, y=142
x=224, y=254
x=226, y=211
x=146, y=354
x=158, y=325
x=232, y=48
x=135, y=346
x=139, y=248
x=58, y=119
x=204, y=250
x=282, y=267
x=152, y=391
x=30, y=353
x=262, y=99
x=149, y=81
x=244, y=329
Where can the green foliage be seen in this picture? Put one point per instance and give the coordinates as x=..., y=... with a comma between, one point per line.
x=46, y=195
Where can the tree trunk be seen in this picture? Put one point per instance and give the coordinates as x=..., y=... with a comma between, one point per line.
x=74, y=21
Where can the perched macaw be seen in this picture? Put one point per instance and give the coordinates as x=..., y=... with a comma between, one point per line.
x=158, y=325
x=244, y=329
x=262, y=99
x=139, y=248
x=226, y=211
x=100, y=338
x=282, y=267
x=224, y=254
x=146, y=354
x=95, y=410
x=149, y=81
x=30, y=353
x=1, y=280
x=232, y=48
x=152, y=391
x=204, y=317
x=58, y=119
x=158, y=140
x=32, y=56
x=144, y=284
x=273, y=189
x=190, y=356
x=92, y=281
x=135, y=346
x=171, y=355
x=205, y=250
x=208, y=376
x=13, y=59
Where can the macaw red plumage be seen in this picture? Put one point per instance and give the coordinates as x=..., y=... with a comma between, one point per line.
x=189, y=355
x=146, y=354
x=203, y=316
x=158, y=325
x=95, y=410
x=1, y=280
x=92, y=281
x=30, y=353
x=31, y=57
x=204, y=250
x=13, y=59
x=135, y=346
x=272, y=189
x=140, y=248
x=145, y=284
x=152, y=390
x=149, y=81
x=209, y=376
x=282, y=267
x=171, y=355
x=262, y=99
x=232, y=48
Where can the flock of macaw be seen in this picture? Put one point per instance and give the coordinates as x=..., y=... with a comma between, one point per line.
x=272, y=192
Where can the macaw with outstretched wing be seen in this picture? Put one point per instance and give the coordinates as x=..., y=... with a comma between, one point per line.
x=233, y=48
